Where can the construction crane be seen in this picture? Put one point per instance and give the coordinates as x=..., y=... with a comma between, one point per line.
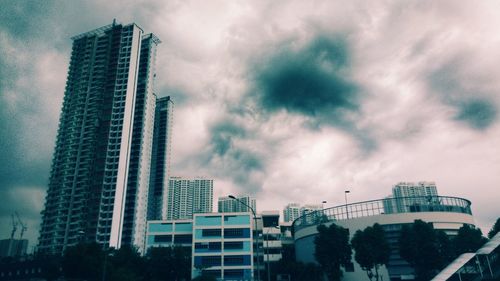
x=23, y=226
x=14, y=226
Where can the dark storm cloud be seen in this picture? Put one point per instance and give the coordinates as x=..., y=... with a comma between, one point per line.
x=314, y=82
x=311, y=82
x=230, y=160
x=222, y=135
x=474, y=105
x=478, y=113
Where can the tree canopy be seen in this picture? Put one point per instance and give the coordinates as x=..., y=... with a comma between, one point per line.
x=297, y=270
x=83, y=261
x=332, y=250
x=168, y=263
x=90, y=262
x=371, y=250
x=468, y=240
x=424, y=248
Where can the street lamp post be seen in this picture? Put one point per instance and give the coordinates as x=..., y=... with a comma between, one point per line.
x=346, y=208
x=256, y=231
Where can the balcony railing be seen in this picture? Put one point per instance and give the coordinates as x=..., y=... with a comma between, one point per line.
x=384, y=206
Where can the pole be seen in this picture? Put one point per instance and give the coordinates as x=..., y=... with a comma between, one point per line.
x=258, y=243
x=346, y=208
x=256, y=232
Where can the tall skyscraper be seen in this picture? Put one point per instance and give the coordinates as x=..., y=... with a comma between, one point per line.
x=228, y=205
x=189, y=196
x=100, y=175
x=160, y=168
x=291, y=212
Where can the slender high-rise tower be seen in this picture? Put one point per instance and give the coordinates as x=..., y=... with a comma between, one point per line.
x=160, y=168
x=99, y=181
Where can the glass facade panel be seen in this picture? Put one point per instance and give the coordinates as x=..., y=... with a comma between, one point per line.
x=207, y=233
x=160, y=227
x=237, y=220
x=209, y=220
x=188, y=227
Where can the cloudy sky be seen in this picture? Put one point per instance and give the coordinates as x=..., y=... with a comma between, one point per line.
x=289, y=101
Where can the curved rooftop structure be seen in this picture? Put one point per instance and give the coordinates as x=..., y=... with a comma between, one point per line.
x=385, y=206
x=444, y=212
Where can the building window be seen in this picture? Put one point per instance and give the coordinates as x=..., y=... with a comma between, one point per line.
x=237, y=260
x=211, y=232
x=207, y=261
x=230, y=273
x=236, y=233
x=163, y=239
x=207, y=247
x=183, y=239
x=233, y=245
x=215, y=273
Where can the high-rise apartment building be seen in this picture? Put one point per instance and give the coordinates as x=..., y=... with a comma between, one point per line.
x=228, y=205
x=189, y=196
x=100, y=175
x=160, y=167
x=410, y=189
x=291, y=212
x=411, y=195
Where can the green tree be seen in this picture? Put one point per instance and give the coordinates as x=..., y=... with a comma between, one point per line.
x=332, y=250
x=494, y=230
x=124, y=264
x=371, y=250
x=297, y=270
x=420, y=245
x=468, y=240
x=83, y=261
x=445, y=248
x=168, y=263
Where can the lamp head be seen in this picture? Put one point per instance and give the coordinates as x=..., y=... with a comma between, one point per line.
x=232, y=197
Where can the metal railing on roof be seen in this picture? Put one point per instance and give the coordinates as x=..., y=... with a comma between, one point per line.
x=97, y=31
x=384, y=206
